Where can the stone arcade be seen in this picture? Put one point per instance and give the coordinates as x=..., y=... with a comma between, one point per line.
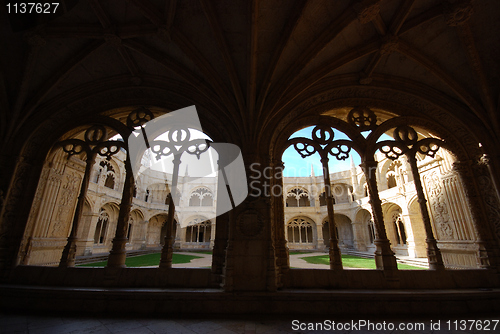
x=424, y=73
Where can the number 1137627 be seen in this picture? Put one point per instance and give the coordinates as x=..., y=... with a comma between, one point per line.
x=32, y=7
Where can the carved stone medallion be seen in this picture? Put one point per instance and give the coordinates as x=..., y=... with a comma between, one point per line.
x=250, y=223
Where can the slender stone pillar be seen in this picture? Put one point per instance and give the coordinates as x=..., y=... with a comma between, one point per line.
x=433, y=252
x=69, y=252
x=384, y=256
x=88, y=232
x=117, y=255
x=335, y=257
x=178, y=236
x=168, y=249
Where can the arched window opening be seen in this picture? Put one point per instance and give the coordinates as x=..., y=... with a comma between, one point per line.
x=194, y=200
x=106, y=166
x=201, y=197
x=371, y=231
x=207, y=201
x=391, y=181
x=326, y=233
x=393, y=174
x=297, y=197
x=110, y=181
x=107, y=170
x=199, y=233
x=300, y=231
x=396, y=232
x=101, y=227
x=129, y=231
x=402, y=231
x=399, y=227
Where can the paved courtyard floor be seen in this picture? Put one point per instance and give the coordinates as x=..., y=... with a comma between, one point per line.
x=295, y=261
x=206, y=261
x=53, y=324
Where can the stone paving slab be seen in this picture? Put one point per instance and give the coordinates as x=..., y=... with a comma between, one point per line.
x=52, y=324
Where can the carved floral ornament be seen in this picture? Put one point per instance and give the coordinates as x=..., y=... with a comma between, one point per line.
x=361, y=120
x=95, y=142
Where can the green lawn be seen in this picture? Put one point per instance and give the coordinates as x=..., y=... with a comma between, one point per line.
x=146, y=260
x=349, y=261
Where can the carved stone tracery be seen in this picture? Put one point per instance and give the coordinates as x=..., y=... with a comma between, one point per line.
x=438, y=206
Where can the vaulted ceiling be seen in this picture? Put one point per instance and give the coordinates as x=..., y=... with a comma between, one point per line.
x=247, y=63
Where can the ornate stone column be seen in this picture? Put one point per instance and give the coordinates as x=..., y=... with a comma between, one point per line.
x=46, y=195
x=384, y=256
x=319, y=231
x=168, y=247
x=69, y=252
x=118, y=254
x=433, y=252
x=250, y=257
x=87, y=234
x=212, y=233
x=471, y=173
x=335, y=257
x=357, y=230
x=178, y=236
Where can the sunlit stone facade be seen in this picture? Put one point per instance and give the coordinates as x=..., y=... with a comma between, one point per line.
x=306, y=216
